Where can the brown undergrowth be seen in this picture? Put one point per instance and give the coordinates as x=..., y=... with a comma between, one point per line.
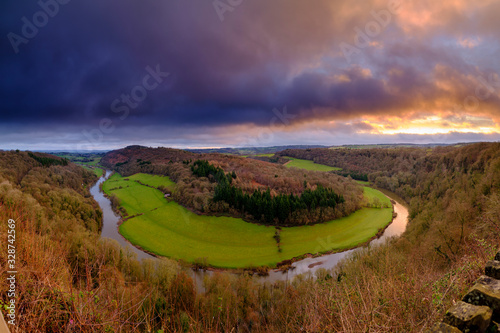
x=71, y=281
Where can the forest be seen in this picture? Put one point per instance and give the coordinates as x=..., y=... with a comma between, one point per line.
x=264, y=207
x=260, y=204
x=71, y=280
x=388, y=168
x=257, y=191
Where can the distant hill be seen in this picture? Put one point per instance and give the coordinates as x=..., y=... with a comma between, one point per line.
x=245, y=177
x=253, y=150
x=389, y=145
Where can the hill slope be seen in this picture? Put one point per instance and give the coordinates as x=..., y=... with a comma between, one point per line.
x=71, y=281
x=196, y=190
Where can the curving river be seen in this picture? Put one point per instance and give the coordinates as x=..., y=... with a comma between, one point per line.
x=110, y=219
x=308, y=265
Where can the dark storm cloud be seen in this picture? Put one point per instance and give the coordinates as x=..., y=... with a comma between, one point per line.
x=263, y=55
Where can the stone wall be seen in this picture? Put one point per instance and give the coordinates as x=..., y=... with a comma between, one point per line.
x=479, y=310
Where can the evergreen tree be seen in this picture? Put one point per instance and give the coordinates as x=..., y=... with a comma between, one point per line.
x=261, y=204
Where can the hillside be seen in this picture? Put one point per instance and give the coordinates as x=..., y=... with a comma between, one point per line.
x=57, y=225
x=69, y=280
x=277, y=185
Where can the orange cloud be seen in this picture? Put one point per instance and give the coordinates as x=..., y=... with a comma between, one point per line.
x=435, y=124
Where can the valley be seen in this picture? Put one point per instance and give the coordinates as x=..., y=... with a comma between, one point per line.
x=74, y=256
x=165, y=228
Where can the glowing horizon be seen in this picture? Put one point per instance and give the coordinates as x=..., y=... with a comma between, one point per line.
x=328, y=73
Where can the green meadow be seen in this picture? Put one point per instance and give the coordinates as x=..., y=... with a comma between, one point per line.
x=153, y=180
x=308, y=165
x=259, y=155
x=89, y=162
x=168, y=229
x=98, y=171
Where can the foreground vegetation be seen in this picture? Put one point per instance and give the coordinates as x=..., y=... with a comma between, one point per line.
x=69, y=280
x=168, y=229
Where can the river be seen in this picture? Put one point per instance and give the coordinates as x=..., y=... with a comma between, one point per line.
x=110, y=219
x=305, y=266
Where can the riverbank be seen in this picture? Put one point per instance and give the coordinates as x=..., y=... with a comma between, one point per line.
x=298, y=264
x=168, y=229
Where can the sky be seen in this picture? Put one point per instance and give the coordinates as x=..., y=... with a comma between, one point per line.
x=97, y=75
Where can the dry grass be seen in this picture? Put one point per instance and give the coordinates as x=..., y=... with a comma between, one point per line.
x=70, y=281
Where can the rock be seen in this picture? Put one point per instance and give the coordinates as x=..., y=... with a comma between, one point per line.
x=467, y=316
x=486, y=291
x=443, y=328
x=493, y=269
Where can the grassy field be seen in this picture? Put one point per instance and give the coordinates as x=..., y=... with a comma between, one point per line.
x=98, y=171
x=308, y=165
x=82, y=159
x=168, y=229
x=88, y=161
x=154, y=180
x=259, y=155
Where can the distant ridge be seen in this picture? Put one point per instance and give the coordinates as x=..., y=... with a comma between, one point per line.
x=401, y=145
x=262, y=150
x=252, y=150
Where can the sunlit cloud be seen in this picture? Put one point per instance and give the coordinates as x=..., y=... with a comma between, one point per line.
x=430, y=69
x=436, y=124
x=469, y=42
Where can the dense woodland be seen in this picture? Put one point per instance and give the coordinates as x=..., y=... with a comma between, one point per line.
x=360, y=163
x=281, y=209
x=257, y=191
x=69, y=280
